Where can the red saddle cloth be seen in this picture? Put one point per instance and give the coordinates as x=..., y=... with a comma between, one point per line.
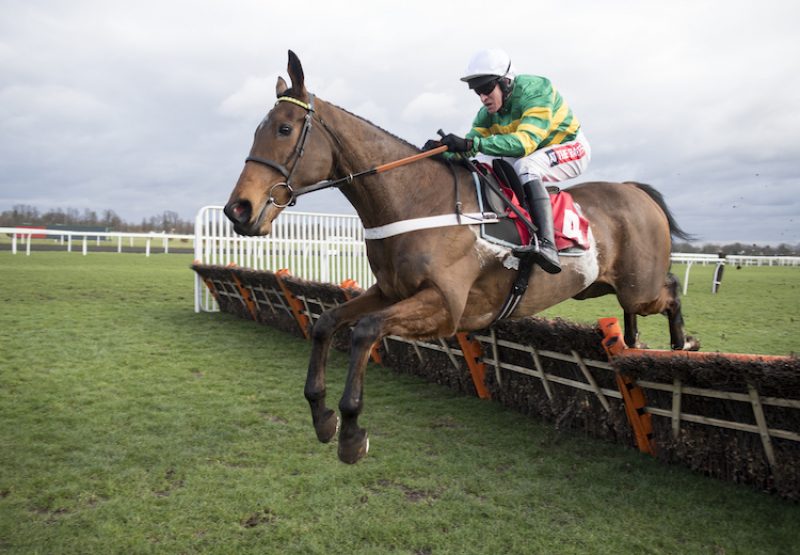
x=571, y=226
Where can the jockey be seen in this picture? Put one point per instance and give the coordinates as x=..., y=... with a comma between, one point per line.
x=526, y=121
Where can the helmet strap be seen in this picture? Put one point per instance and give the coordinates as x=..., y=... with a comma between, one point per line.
x=506, y=87
x=506, y=84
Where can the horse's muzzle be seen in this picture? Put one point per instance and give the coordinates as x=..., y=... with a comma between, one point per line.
x=239, y=212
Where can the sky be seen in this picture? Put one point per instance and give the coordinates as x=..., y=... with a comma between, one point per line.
x=150, y=106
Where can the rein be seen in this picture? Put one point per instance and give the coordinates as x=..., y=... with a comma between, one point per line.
x=300, y=149
x=328, y=183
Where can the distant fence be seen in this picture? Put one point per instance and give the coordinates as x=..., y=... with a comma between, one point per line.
x=735, y=259
x=21, y=238
x=90, y=229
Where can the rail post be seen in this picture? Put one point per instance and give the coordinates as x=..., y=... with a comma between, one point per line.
x=473, y=355
x=632, y=395
x=249, y=303
x=295, y=304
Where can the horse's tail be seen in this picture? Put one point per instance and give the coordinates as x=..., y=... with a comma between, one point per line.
x=674, y=229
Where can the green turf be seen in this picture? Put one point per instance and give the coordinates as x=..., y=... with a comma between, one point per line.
x=129, y=424
x=756, y=310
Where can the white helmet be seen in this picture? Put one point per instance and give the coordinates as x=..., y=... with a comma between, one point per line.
x=487, y=65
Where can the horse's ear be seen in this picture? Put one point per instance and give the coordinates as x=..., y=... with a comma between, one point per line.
x=280, y=87
x=296, y=75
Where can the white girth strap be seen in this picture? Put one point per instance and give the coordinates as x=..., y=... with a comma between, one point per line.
x=445, y=220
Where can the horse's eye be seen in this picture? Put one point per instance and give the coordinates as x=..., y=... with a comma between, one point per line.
x=285, y=129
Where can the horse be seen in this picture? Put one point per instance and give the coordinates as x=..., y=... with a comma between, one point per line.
x=437, y=281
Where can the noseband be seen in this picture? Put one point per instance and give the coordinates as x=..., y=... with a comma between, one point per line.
x=296, y=155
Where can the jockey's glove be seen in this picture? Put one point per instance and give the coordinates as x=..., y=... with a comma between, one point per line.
x=454, y=143
x=430, y=144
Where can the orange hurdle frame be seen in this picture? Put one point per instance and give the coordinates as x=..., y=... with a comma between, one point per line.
x=632, y=395
x=295, y=304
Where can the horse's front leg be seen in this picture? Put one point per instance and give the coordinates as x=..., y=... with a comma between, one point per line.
x=422, y=316
x=325, y=419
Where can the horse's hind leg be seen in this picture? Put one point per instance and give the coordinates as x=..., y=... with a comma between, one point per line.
x=325, y=420
x=677, y=333
x=422, y=316
x=667, y=303
x=631, y=330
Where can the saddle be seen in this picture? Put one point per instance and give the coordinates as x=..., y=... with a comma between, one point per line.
x=571, y=227
x=572, y=233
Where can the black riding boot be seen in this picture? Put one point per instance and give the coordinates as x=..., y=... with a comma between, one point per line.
x=545, y=254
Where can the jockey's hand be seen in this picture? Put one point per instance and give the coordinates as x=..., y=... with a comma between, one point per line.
x=430, y=144
x=454, y=143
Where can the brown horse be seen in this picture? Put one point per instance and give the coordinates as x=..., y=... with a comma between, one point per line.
x=432, y=283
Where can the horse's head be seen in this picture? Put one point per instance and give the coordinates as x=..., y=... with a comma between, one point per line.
x=286, y=156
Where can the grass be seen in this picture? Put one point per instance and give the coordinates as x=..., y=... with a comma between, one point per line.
x=129, y=424
x=757, y=310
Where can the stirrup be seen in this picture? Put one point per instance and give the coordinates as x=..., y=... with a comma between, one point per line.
x=548, y=264
x=543, y=253
x=525, y=250
x=534, y=247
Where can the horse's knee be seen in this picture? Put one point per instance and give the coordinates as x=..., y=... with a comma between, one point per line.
x=324, y=327
x=366, y=332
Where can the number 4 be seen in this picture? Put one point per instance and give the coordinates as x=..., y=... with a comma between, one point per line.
x=571, y=226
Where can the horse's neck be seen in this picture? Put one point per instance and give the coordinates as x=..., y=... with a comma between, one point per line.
x=416, y=190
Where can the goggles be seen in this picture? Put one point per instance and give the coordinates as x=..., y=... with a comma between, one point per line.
x=486, y=89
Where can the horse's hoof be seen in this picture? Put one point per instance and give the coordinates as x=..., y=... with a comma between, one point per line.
x=691, y=344
x=355, y=448
x=326, y=429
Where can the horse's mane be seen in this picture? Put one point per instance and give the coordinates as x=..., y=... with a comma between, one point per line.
x=291, y=92
x=365, y=120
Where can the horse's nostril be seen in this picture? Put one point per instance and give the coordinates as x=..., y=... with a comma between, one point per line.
x=238, y=211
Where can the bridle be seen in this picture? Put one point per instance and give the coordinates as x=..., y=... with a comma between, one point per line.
x=296, y=155
x=299, y=149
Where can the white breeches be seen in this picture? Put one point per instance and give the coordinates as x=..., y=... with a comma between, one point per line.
x=552, y=163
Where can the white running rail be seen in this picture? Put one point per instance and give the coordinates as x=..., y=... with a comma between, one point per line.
x=327, y=248
x=26, y=235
